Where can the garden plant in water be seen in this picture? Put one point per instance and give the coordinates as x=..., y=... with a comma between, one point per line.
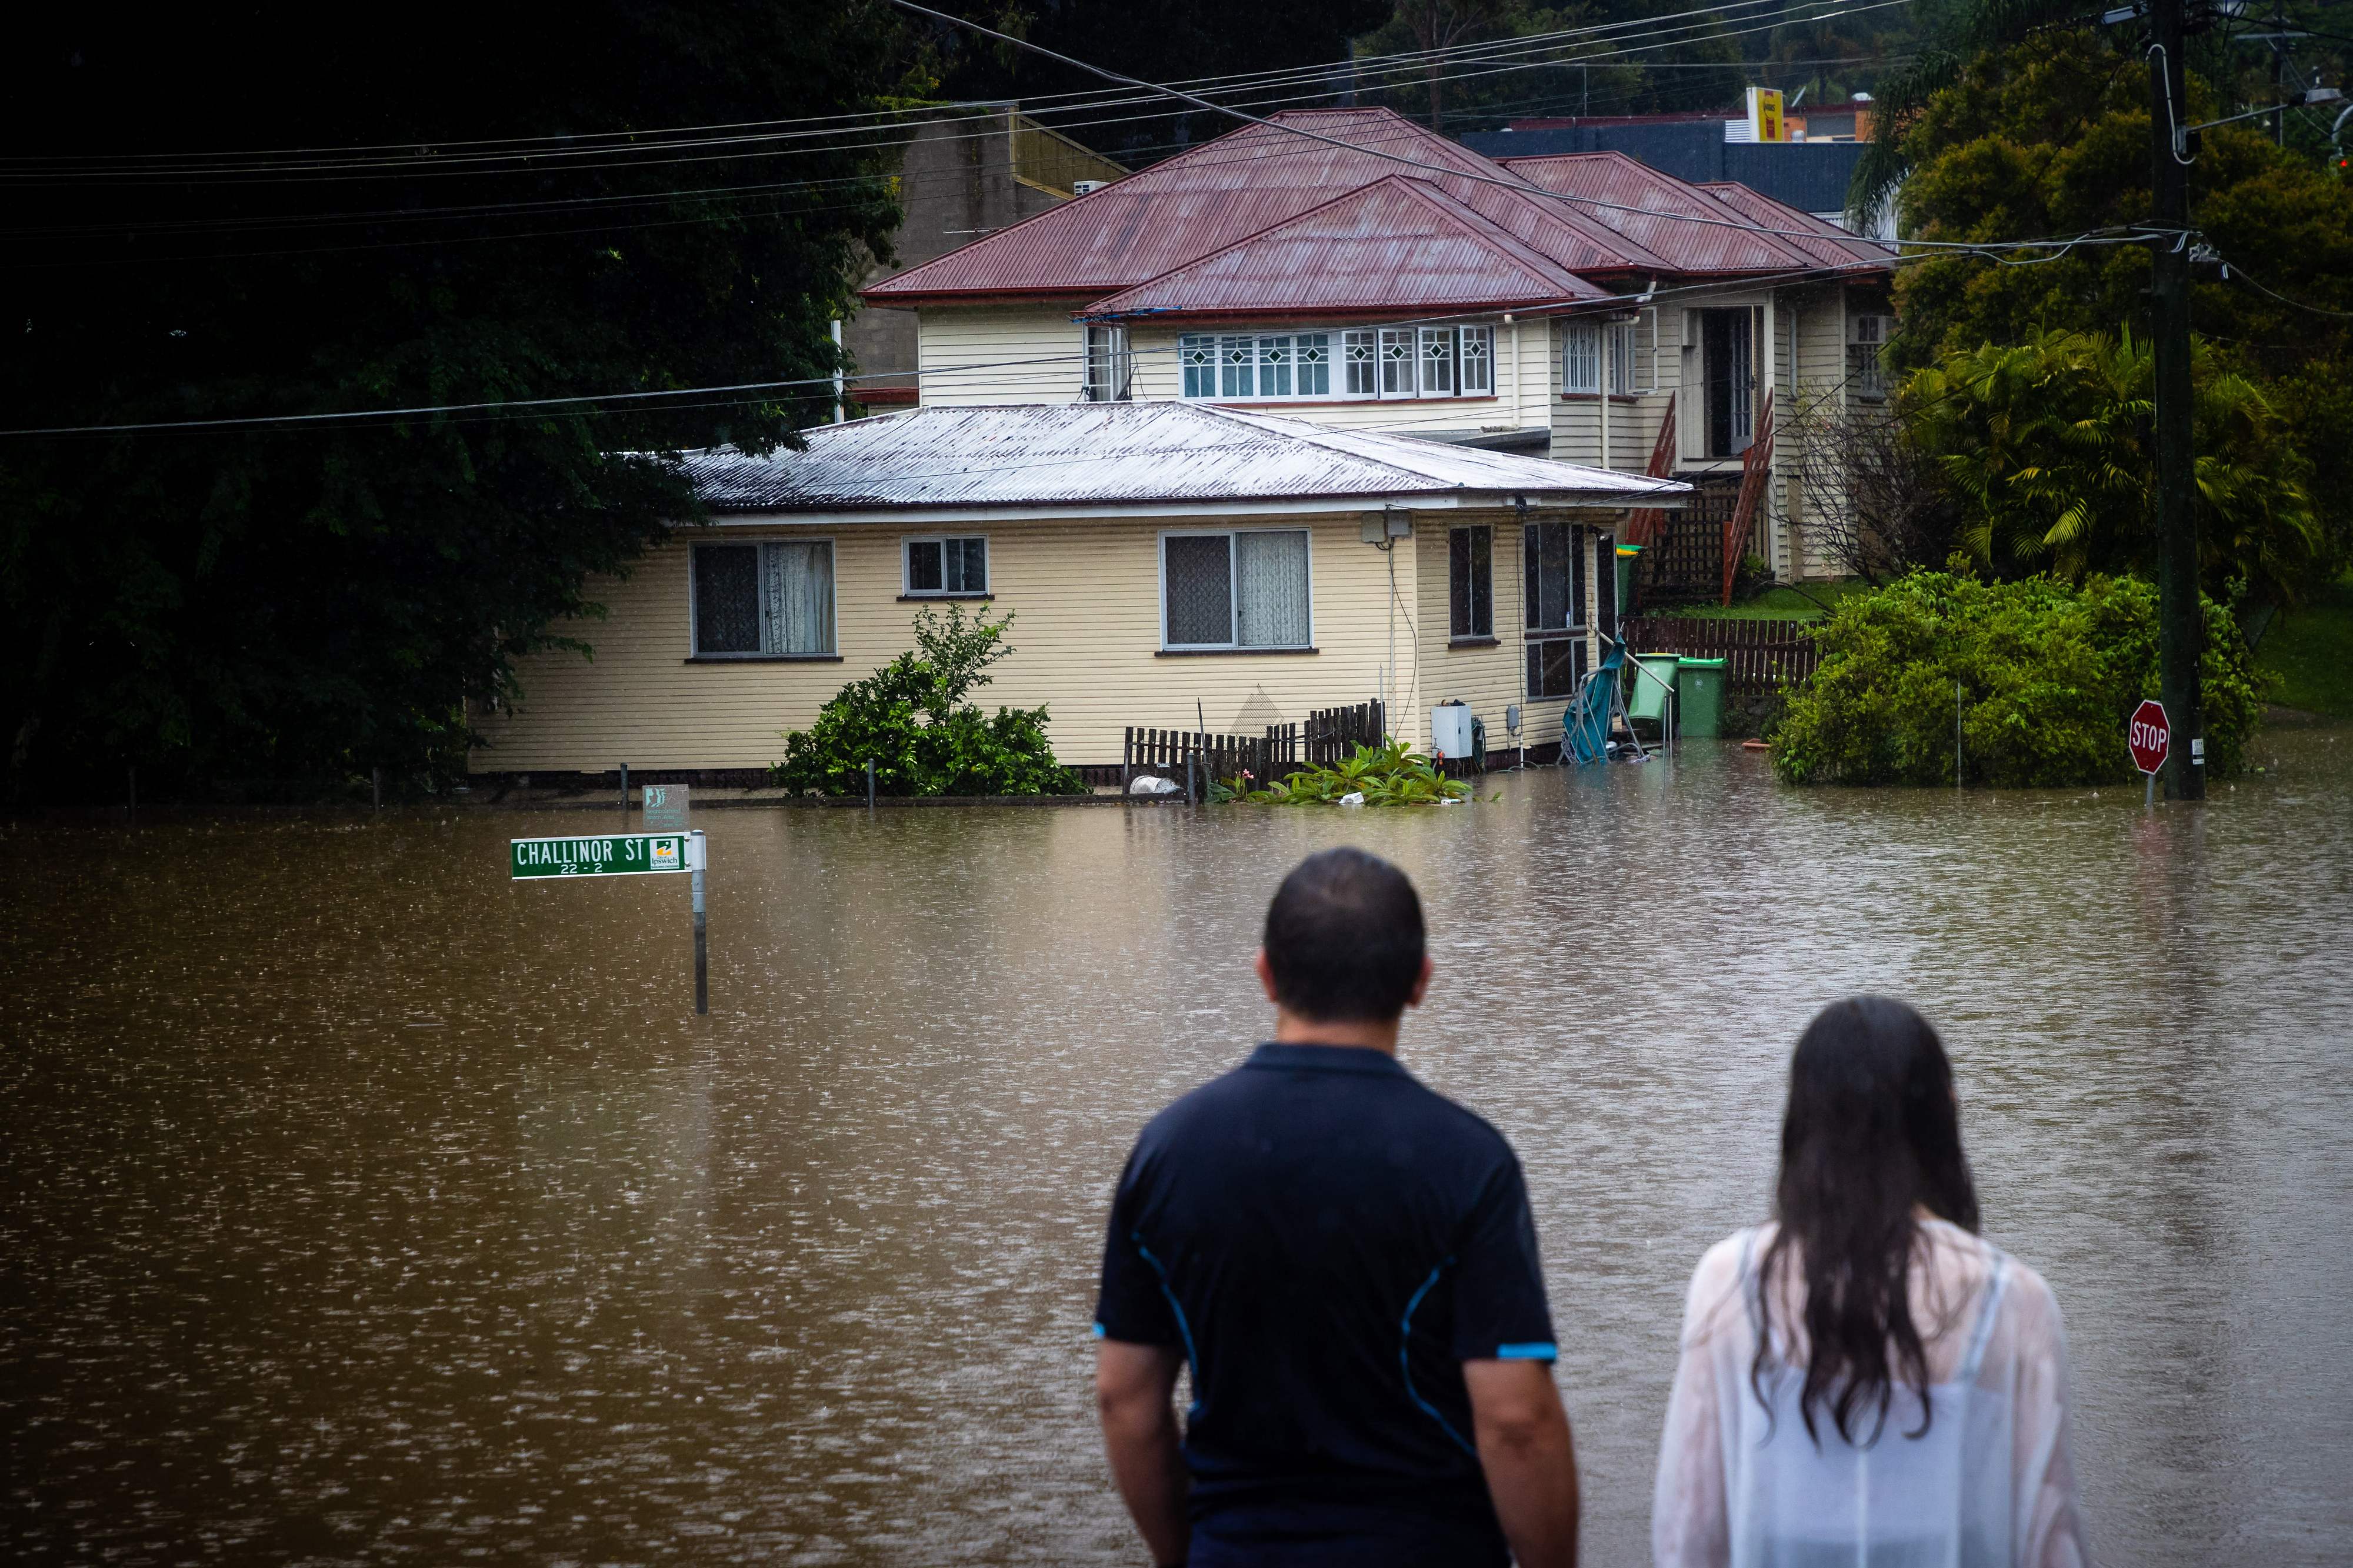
x=1388, y=775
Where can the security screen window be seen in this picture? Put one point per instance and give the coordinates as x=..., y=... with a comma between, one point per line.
x=948, y=567
x=1241, y=590
x=1470, y=583
x=1554, y=667
x=769, y=600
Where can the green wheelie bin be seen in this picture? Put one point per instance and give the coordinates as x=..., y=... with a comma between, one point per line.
x=1699, y=696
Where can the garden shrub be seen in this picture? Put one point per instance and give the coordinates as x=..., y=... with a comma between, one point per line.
x=911, y=720
x=2049, y=673
x=1388, y=775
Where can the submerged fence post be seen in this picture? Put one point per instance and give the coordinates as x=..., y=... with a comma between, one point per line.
x=870, y=783
x=625, y=792
x=1957, y=734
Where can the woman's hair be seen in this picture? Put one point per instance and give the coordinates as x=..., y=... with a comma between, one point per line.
x=1872, y=1131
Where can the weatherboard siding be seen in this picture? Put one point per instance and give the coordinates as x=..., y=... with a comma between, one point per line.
x=998, y=355
x=1030, y=354
x=1086, y=641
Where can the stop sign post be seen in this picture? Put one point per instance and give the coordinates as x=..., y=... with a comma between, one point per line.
x=2150, y=736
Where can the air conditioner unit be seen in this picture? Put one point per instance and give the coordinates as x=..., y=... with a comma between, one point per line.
x=1087, y=188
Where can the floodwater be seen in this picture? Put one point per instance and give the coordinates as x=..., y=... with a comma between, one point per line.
x=357, y=1205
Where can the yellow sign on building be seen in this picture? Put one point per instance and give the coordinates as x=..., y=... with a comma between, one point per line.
x=1764, y=114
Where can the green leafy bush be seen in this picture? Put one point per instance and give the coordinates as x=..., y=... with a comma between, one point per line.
x=911, y=718
x=1389, y=774
x=2048, y=674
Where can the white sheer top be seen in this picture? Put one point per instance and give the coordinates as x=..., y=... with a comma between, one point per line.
x=1741, y=1485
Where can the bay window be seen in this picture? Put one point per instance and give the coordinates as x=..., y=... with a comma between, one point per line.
x=1245, y=589
x=1374, y=362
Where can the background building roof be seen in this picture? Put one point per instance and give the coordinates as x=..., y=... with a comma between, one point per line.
x=1113, y=454
x=1695, y=232
x=1396, y=244
x=1811, y=176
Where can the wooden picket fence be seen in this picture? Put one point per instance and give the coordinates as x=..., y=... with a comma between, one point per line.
x=1759, y=655
x=1328, y=735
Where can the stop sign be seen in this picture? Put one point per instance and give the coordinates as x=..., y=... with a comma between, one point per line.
x=2150, y=736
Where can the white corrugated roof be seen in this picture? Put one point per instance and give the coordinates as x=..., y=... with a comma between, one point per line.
x=1116, y=454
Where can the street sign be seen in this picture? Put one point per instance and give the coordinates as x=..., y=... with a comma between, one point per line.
x=2150, y=736
x=602, y=855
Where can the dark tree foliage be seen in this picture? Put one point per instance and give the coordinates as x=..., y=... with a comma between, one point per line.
x=1167, y=41
x=311, y=599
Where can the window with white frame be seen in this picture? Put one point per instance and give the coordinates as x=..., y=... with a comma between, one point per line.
x=1438, y=362
x=1239, y=367
x=768, y=600
x=1581, y=358
x=1478, y=361
x=1246, y=589
x=1625, y=372
x=1373, y=362
x=1866, y=339
x=1109, y=373
x=948, y=567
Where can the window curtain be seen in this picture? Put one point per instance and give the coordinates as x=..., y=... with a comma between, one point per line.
x=1271, y=592
x=798, y=587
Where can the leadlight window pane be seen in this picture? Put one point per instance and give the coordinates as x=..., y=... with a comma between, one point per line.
x=727, y=598
x=1314, y=364
x=1274, y=367
x=1199, y=570
x=1397, y=362
x=1197, y=352
x=1438, y=362
x=1478, y=360
x=1271, y=589
x=925, y=575
x=1237, y=367
x=1357, y=352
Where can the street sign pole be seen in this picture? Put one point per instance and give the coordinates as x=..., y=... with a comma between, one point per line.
x=599, y=855
x=697, y=855
x=2148, y=735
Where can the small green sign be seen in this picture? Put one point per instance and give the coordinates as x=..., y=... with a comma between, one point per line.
x=602, y=855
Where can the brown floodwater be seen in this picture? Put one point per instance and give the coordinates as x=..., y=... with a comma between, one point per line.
x=359, y=1205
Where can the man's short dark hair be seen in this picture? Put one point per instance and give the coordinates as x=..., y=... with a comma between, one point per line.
x=1344, y=938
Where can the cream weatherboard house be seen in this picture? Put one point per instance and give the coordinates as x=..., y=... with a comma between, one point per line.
x=1350, y=267
x=1158, y=555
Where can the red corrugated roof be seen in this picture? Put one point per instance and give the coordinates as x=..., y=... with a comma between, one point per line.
x=1176, y=212
x=1695, y=232
x=1396, y=244
x=1830, y=245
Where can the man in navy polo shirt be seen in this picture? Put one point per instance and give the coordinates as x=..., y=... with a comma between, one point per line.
x=1345, y=1262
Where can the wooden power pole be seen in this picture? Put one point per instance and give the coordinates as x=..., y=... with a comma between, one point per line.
x=2180, y=625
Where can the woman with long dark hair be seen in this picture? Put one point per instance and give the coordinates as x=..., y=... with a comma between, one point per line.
x=1864, y=1382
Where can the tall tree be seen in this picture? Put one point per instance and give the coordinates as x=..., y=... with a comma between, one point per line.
x=276, y=211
